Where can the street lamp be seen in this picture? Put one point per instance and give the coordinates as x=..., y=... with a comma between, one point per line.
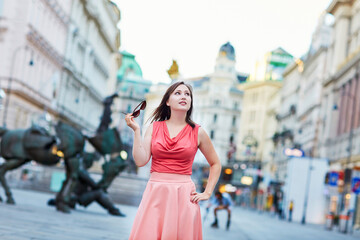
x=306, y=198
x=31, y=63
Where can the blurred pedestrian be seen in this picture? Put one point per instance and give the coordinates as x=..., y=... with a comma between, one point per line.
x=169, y=208
x=291, y=208
x=280, y=208
x=221, y=202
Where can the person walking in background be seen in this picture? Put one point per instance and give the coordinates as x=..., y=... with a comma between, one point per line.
x=169, y=208
x=291, y=208
x=221, y=202
x=280, y=208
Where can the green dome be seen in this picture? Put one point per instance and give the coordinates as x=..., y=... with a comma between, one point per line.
x=128, y=65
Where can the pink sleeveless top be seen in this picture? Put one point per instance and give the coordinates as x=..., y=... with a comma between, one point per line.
x=173, y=155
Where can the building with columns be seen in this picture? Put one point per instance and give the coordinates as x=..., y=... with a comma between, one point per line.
x=307, y=134
x=258, y=104
x=287, y=120
x=218, y=105
x=91, y=60
x=340, y=109
x=32, y=45
x=56, y=60
x=299, y=119
x=255, y=148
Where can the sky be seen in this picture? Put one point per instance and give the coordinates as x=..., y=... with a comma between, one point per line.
x=192, y=32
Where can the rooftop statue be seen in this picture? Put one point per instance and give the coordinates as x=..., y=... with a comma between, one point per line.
x=174, y=70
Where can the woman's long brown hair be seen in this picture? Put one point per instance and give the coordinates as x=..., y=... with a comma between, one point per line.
x=162, y=112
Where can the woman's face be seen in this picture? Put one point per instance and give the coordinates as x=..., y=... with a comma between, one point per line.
x=180, y=99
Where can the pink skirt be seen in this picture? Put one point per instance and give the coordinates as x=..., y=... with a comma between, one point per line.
x=166, y=212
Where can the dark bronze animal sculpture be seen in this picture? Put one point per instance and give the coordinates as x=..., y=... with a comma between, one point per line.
x=86, y=190
x=23, y=145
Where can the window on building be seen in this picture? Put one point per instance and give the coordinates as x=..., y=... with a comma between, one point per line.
x=215, y=118
x=252, y=116
x=251, y=132
x=236, y=106
x=234, y=121
x=255, y=97
x=231, y=138
x=129, y=108
x=212, y=134
x=131, y=92
x=217, y=102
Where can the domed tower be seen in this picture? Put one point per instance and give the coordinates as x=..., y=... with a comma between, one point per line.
x=129, y=69
x=218, y=105
x=225, y=62
x=228, y=51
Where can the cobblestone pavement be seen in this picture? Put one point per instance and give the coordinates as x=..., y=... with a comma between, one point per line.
x=31, y=218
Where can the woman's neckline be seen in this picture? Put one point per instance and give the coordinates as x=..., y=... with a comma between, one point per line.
x=168, y=132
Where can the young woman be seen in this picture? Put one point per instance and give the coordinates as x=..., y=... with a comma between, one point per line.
x=169, y=208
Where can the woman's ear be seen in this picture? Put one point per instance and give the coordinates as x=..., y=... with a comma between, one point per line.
x=167, y=103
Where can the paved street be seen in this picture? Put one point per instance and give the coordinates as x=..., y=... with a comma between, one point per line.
x=31, y=218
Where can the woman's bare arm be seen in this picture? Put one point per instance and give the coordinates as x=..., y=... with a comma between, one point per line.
x=207, y=148
x=141, y=148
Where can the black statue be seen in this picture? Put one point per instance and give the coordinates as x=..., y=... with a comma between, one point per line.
x=87, y=190
x=111, y=169
x=106, y=116
x=106, y=141
x=72, y=146
x=23, y=145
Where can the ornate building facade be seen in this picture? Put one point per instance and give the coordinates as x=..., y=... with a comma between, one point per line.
x=32, y=45
x=91, y=60
x=260, y=91
x=340, y=109
x=218, y=105
x=56, y=59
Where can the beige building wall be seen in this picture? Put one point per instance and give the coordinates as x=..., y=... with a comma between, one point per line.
x=91, y=62
x=287, y=120
x=32, y=45
x=269, y=130
x=217, y=104
x=37, y=42
x=257, y=121
x=341, y=88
